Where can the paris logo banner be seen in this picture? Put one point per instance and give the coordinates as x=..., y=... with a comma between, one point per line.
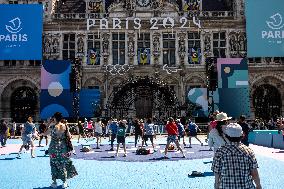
x=21, y=32
x=265, y=28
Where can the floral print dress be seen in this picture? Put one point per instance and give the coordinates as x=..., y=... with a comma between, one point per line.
x=60, y=162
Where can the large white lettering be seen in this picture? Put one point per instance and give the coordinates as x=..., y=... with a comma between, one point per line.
x=14, y=38
x=137, y=23
x=272, y=34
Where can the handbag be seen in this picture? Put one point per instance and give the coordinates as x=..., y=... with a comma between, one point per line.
x=68, y=141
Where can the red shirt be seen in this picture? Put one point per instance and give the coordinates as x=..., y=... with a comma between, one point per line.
x=171, y=128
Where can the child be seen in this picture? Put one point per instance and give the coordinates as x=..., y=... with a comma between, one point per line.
x=121, y=136
x=181, y=131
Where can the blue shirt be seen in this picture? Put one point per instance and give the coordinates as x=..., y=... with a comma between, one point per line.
x=149, y=128
x=29, y=128
x=192, y=127
x=113, y=127
x=180, y=128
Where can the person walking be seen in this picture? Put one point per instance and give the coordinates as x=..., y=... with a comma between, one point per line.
x=138, y=129
x=149, y=132
x=98, y=131
x=42, y=129
x=246, y=129
x=3, y=133
x=59, y=151
x=80, y=130
x=192, y=132
x=14, y=129
x=181, y=131
x=216, y=135
x=234, y=165
x=113, y=129
x=172, y=131
x=28, y=133
x=121, y=136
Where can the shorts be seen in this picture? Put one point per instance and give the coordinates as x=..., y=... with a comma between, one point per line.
x=41, y=137
x=146, y=137
x=192, y=134
x=121, y=139
x=181, y=136
x=98, y=134
x=172, y=138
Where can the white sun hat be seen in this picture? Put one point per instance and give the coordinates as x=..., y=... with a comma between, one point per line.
x=222, y=117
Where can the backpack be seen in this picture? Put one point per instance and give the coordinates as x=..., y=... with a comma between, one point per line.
x=142, y=151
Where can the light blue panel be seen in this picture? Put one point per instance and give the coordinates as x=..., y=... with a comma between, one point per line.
x=265, y=28
x=278, y=141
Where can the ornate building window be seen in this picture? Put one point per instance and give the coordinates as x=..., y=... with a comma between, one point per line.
x=194, y=48
x=143, y=48
x=118, y=48
x=219, y=44
x=169, y=49
x=68, y=51
x=94, y=49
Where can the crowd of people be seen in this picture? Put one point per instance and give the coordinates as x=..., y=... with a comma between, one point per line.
x=234, y=163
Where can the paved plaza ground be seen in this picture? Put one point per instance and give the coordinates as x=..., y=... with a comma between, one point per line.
x=99, y=170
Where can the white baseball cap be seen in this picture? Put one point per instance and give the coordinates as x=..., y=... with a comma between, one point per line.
x=233, y=130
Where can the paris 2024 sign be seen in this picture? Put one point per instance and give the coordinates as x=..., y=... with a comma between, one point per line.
x=21, y=32
x=265, y=28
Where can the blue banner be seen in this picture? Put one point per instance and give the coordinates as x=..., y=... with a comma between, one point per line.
x=265, y=28
x=21, y=32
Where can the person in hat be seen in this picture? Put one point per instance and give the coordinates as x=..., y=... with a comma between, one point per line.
x=192, y=132
x=172, y=130
x=121, y=136
x=234, y=164
x=216, y=137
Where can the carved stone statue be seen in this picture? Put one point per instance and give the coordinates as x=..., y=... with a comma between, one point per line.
x=80, y=45
x=55, y=46
x=182, y=46
x=47, y=45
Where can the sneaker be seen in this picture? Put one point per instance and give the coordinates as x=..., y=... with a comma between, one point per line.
x=189, y=146
x=183, y=156
x=201, y=144
x=65, y=185
x=18, y=156
x=33, y=156
x=111, y=149
x=124, y=155
x=54, y=185
x=116, y=154
x=97, y=148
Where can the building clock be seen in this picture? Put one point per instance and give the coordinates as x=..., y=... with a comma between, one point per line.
x=143, y=3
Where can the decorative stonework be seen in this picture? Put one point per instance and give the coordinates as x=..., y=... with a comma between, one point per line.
x=237, y=44
x=156, y=47
x=51, y=45
x=105, y=54
x=80, y=45
x=130, y=47
x=181, y=47
x=207, y=44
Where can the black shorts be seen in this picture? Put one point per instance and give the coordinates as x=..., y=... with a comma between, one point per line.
x=41, y=137
x=146, y=137
x=121, y=139
x=192, y=134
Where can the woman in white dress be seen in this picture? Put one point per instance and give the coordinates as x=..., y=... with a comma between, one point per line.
x=216, y=136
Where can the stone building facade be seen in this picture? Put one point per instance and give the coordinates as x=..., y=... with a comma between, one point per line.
x=222, y=33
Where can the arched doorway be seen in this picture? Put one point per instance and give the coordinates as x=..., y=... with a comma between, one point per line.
x=267, y=102
x=23, y=103
x=143, y=97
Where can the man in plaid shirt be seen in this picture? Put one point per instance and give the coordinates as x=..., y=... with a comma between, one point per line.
x=234, y=165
